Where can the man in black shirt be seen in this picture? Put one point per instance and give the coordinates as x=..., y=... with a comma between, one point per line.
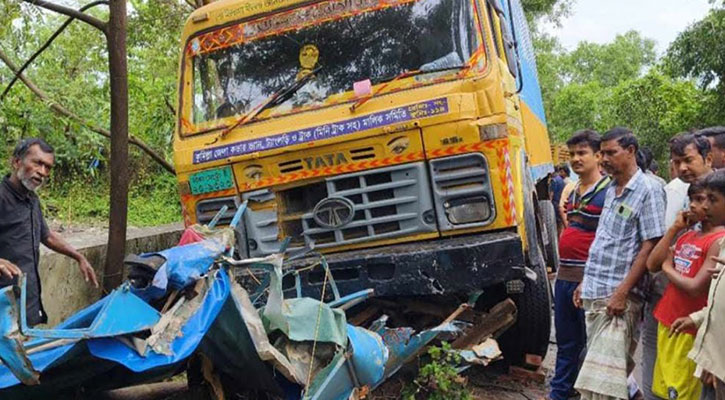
x=22, y=227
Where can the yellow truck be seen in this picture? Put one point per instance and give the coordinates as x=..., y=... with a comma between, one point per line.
x=404, y=139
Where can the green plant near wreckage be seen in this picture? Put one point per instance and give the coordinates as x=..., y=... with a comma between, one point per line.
x=438, y=379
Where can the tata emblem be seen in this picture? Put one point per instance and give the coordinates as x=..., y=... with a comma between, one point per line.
x=334, y=212
x=309, y=55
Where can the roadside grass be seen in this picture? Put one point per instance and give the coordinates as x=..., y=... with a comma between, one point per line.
x=150, y=203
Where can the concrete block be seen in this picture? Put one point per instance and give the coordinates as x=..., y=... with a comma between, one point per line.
x=64, y=290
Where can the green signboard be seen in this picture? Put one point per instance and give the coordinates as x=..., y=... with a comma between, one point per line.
x=211, y=180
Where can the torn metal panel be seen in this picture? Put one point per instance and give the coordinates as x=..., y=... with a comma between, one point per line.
x=358, y=369
x=334, y=382
x=302, y=319
x=12, y=353
x=259, y=338
x=169, y=326
x=369, y=355
x=300, y=356
x=182, y=346
x=104, y=321
x=187, y=264
x=403, y=344
x=221, y=323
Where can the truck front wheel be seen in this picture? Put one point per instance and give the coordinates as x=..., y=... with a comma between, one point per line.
x=530, y=333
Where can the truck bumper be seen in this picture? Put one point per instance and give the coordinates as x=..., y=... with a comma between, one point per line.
x=447, y=266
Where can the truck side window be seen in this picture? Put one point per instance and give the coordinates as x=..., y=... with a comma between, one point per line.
x=508, y=46
x=494, y=31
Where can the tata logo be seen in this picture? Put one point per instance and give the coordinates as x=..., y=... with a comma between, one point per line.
x=327, y=160
x=334, y=212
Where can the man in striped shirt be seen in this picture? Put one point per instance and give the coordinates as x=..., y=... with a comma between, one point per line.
x=583, y=208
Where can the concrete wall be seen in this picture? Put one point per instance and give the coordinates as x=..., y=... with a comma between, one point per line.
x=64, y=290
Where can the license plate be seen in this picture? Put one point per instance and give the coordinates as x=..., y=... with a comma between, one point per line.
x=211, y=180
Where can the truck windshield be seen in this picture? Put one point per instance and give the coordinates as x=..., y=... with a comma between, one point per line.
x=345, y=41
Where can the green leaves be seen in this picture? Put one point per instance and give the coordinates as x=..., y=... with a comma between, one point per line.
x=74, y=72
x=621, y=83
x=609, y=64
x=553, y=10
x=438, y=379
x=699, y=53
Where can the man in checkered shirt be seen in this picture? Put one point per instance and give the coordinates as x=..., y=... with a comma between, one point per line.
x=631, y=223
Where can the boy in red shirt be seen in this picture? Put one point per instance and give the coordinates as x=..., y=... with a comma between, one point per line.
x=686, y=267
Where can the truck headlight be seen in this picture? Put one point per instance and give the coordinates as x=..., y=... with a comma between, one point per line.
x=468, y=210
x=462, y=191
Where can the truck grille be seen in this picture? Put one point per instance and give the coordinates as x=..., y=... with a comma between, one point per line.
x=207, y=209
x=388, y=202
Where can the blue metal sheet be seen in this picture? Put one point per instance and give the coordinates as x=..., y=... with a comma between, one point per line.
x=11, y=348
x=333, y=382
x=186, y=264
x=369, y=355
x=531, y=91
x=193, y=331
x=110, y=319
x=403, y=345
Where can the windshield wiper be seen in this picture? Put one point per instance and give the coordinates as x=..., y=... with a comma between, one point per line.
x=402, y=75
x=275, y=99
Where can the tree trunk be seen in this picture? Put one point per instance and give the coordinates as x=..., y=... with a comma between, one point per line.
x=116, y=35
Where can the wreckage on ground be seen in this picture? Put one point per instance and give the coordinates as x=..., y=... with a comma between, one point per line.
x=187, y=303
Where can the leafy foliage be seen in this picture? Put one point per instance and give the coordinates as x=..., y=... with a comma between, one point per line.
x=74, y=71
x=611, y=63
x=656, y=107
x=576, y=106
x=439, y=379
x=553, y=10
x=698, y=53
x=620, y=83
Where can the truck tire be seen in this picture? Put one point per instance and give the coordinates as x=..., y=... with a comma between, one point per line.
x=549, y=234
x=530, y=334
x=534, y=314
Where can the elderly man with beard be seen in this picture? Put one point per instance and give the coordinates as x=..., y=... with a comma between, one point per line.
x=22, y=227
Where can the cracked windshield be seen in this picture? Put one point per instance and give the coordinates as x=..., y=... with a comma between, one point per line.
x=377, y=44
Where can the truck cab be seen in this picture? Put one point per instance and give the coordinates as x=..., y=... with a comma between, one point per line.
x=403, y=139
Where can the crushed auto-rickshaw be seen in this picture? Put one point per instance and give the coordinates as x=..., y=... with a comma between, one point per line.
x=187, y=302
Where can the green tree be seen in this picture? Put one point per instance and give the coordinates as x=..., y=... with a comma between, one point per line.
x=576, y=84
x=656, y=107
x=74, y=72
x=552, y=10
x=574, y=107
x=549, y=54
x=698, y=53
x=609, y=64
